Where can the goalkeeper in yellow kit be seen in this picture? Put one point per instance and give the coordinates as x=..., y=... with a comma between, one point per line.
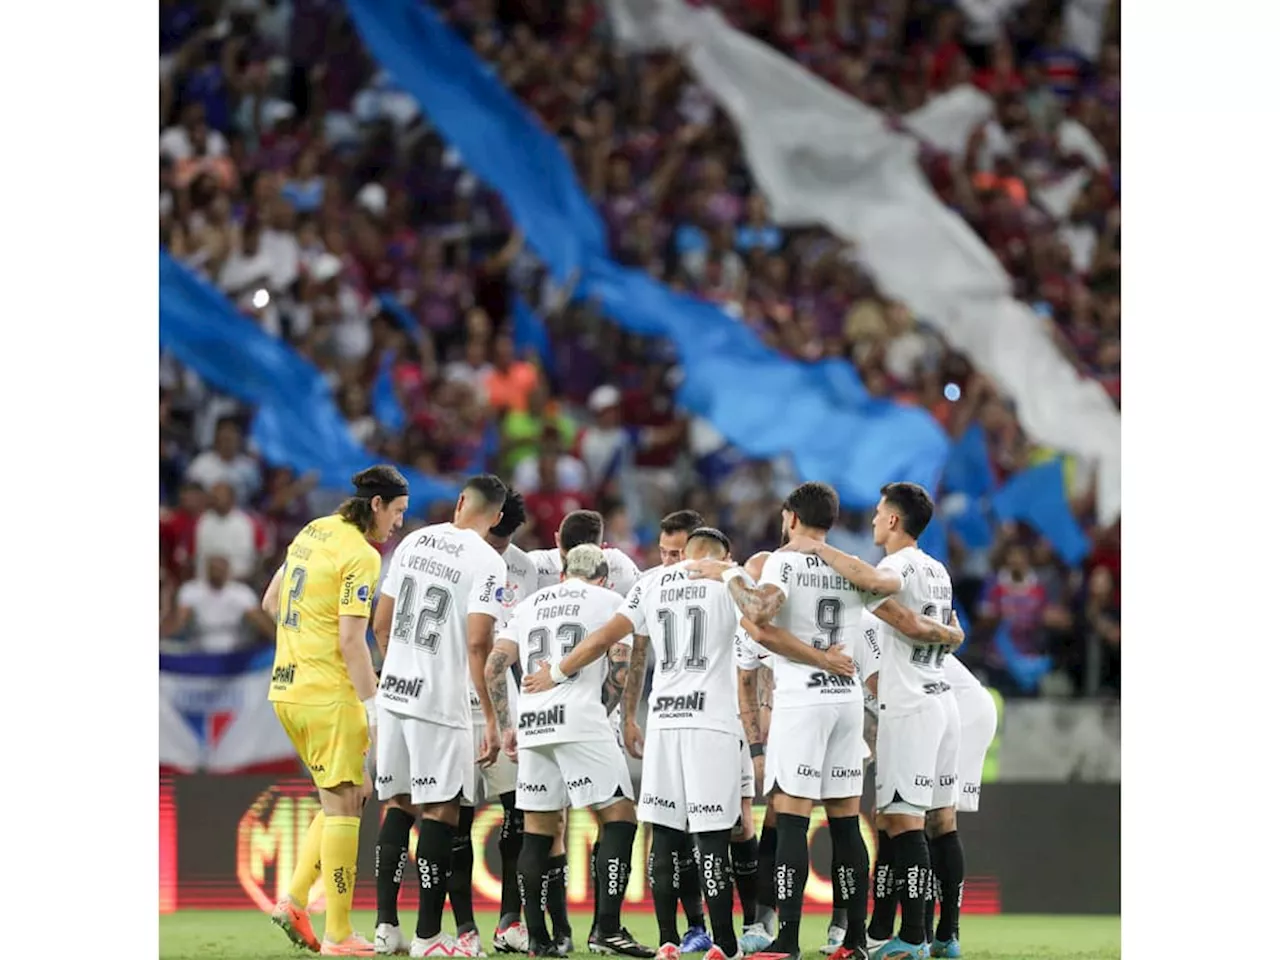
x=323, y=688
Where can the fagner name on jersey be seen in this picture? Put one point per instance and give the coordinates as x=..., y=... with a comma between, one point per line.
x=432, y=567
x=688, y=703
x=398, y=688
x=433, y=542
x=570, y=610
x=550, y=717
x=836, y=682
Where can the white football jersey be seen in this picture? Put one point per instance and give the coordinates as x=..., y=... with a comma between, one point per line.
x=623, y=572
x=521, y=582
x=821, y=608
x=866, y=654
x=439, y=576
x=911, y=673
x=691, y=624
x=958, y=675
x=547, y=626
x=748, y=654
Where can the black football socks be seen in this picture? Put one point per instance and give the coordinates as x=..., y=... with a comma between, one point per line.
x=883, y=889
x=850, y=864
x=389, y=859
x=688, y=885
x=535, y=857
x=509, y=838
x=435, y=855
x=461, y=869
x=613, y=868
x=745, y=857
x=766, y=885
x=948, y=866
x=717, y=887
x=664, y=862
x=791, y=874
x=557, y=898
x=910, y=876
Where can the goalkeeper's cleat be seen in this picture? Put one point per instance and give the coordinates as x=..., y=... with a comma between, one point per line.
x=295, y=923
x=354, y=946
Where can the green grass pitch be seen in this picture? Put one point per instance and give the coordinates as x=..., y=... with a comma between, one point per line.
x=248, y=935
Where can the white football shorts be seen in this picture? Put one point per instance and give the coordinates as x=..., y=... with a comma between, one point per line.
x=691, y=780
x=429, y=762
x=977, y=730
x=917, y=754
x=746, y=771
x=491, y=782
x=583, y=773
x=815, y=752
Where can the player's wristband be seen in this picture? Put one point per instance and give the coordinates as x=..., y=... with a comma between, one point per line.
x=371, y=711
x=733, y=573
x=557, y=674
x=757, y=750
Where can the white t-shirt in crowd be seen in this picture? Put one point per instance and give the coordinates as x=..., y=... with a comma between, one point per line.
x=209, y=469
x=571, y=475
x=234, y=536
x=176, y=144
x=217, y=622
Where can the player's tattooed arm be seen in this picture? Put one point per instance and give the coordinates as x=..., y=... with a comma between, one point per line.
x=495, y=675
x=921, y=631
x=749, y=705
x=633, y=683
x=787, y=644
x=758, y=604
x=615, y=677
x=861, y=574
x=765, y=688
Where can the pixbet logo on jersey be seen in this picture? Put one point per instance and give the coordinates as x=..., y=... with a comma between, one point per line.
x=398, y=688
x=451, y=547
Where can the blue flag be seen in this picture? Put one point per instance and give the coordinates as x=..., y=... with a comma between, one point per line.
x=1038, y=497
x=530, y=332
x=296, y=423
x=385, y=403
x=1026, y=670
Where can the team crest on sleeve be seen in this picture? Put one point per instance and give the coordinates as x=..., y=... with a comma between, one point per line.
x=362, y=593
x=507, y=595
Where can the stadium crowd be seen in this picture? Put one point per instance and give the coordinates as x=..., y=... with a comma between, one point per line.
x=295, y=176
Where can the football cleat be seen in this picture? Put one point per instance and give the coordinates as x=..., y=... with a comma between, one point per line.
x=668, y=951
x=849, y=953
x=945, y=948
x=441, y=945
x=513, y=938
x=754, y=939
x=621, y=944
x=354, y=946
x=696, y=940
x=898, y=949
x=468, y=944
x=296, y=924
x=835, y=937
x=715, y=953
x=388, y=941
x=563, y=946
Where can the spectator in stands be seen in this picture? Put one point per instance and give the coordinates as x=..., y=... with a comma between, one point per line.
x=224, y=530
x=512, y=381
x=216, y=614
x=1095, y=662
x=548, y=504
x=1015, y=598
x=525, y=429
x=227, y=463
x=571, y=473
x=178, y=531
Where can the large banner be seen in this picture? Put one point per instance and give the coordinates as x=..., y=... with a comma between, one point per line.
x=214, y=714
x=232, y=842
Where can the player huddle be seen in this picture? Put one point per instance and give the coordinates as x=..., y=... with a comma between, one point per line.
x=517, y=677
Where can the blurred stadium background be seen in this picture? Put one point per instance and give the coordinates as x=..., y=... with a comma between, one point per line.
x=638, y=256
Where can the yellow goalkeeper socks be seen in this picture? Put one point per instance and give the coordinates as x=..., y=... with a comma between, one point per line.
x=307, y=870
x=338, y=847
